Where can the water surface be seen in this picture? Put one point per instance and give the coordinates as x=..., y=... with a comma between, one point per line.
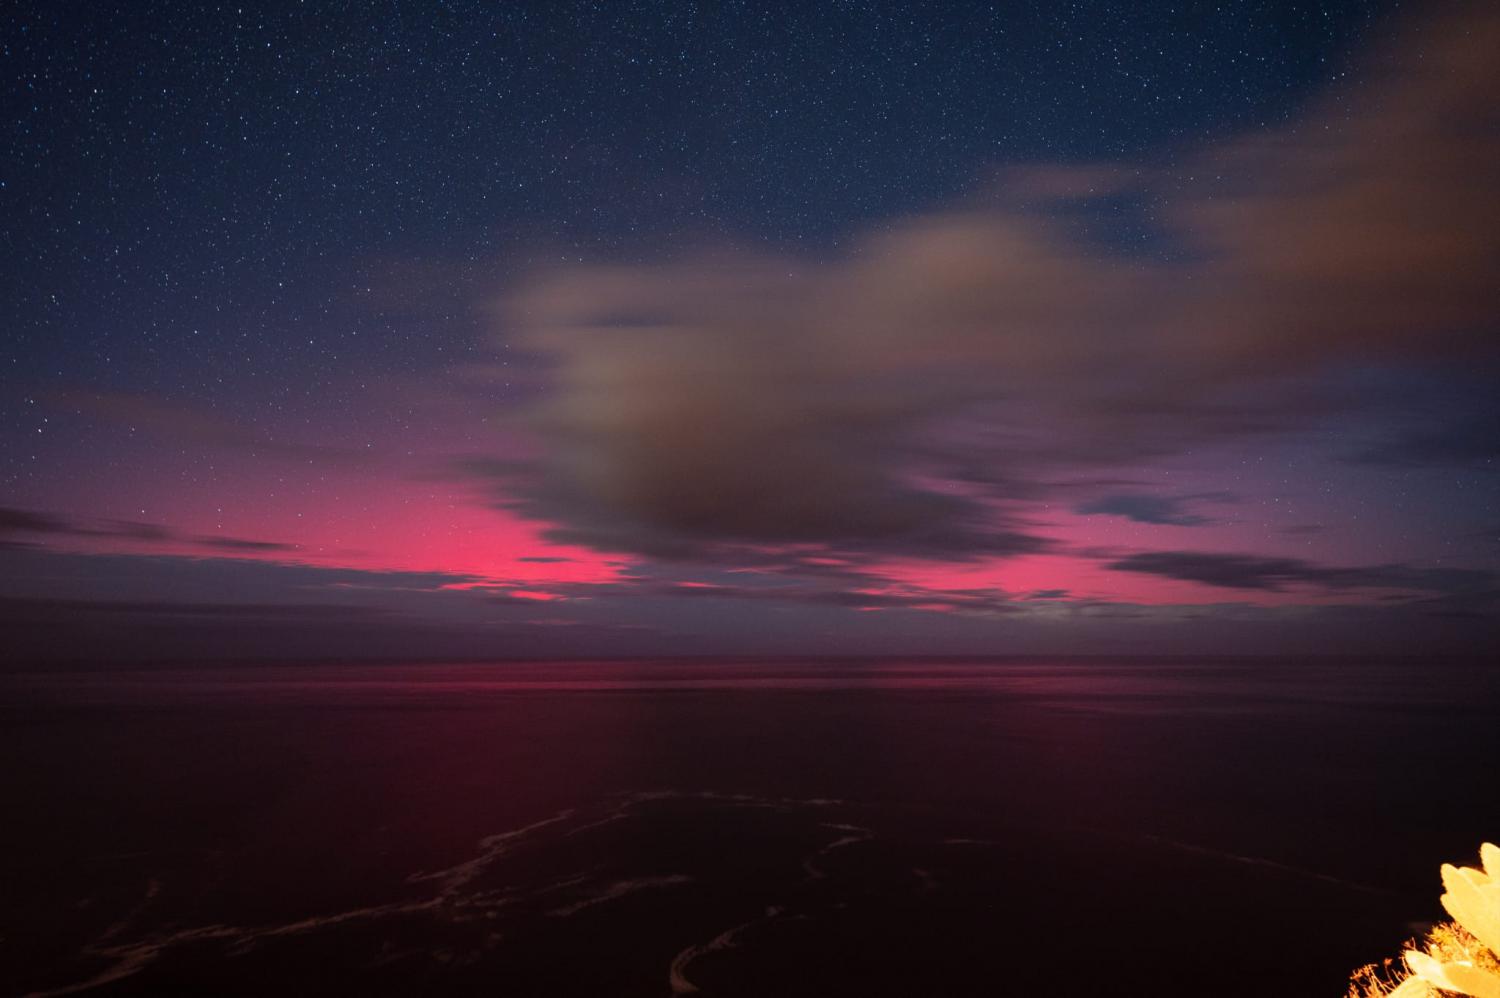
x=736, y=829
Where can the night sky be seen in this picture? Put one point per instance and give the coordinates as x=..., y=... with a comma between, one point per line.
x=516, y=330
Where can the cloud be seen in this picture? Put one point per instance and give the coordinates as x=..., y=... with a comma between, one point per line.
x=20, y=527
x=66, y=608
x=1165, y=510
x=911, y=398
x=63, y=610
x=1473, y=444
x=868, y=594
x=1246, y=571
x=1368, y=228
x=18, y=523
x=43, y=572
x=241, y=544
x=97, y=632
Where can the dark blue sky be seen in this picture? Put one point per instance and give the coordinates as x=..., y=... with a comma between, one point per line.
x=190, y=187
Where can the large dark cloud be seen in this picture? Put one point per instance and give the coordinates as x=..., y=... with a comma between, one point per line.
x=912, y=397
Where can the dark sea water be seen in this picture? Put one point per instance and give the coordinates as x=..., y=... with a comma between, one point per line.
x=793, y=829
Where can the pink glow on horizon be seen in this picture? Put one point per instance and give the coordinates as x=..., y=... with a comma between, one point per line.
x=533, y=594
x=401, y=511
x=387, y=525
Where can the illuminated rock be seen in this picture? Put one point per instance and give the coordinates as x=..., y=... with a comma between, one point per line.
x=1473, y=899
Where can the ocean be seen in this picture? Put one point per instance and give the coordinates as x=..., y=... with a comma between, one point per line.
x=739, y=829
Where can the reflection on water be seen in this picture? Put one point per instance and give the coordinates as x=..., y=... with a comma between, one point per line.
x=1184, y=685
x=888, y=828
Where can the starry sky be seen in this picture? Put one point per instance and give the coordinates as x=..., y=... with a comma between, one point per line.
x=454, y=330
